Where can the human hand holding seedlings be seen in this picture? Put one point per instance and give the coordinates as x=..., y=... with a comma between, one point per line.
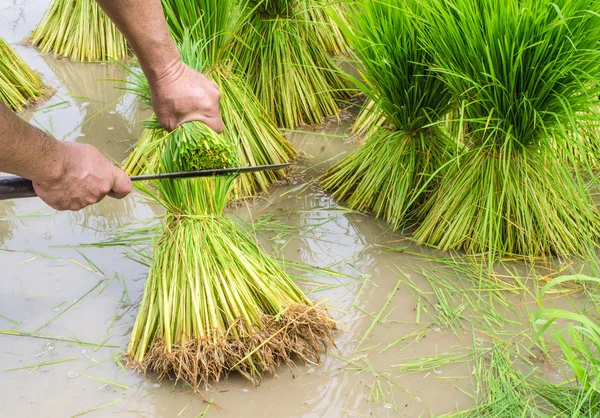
x=71, y=176
x=182, y=95
x=179, y=93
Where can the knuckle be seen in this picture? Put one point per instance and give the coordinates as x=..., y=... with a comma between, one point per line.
x=103, y=189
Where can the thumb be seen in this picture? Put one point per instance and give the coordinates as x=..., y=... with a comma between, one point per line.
x=121, y=185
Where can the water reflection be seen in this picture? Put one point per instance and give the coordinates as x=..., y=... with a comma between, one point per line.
x=109, y=114
x=107, y=117
x=7, y=221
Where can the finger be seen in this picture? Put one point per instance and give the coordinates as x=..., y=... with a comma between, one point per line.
x=121, y=186
x=56, y=205
x=214, y=122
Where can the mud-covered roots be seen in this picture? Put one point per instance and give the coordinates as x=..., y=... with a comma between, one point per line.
x=302, y=332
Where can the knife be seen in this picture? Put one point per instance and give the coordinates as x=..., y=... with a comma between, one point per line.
x=14, y=187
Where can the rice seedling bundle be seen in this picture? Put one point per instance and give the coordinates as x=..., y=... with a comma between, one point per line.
x=204, y=45
x=215, y=302
x=19, y=84
x=526, y=73
x=369, y=120
x=280, y=51
x=388, y=174
x=81, y=31
x=326, y=16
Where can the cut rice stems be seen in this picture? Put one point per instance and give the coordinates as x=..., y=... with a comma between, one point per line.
x=81, y=31
x=287, y=65
x=19, y=84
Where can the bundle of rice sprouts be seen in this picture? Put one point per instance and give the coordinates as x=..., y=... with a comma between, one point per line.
x=81, y=31
x=327, y=16
x=215, y=302
x=19, y=84
x=391, y=171
x=527, y=73
x=369, y=119
x=280, y=51
x=204, y=28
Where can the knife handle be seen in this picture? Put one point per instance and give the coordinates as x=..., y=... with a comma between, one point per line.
x=14, y=187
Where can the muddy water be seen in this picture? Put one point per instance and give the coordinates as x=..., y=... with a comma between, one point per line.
x=53, y=285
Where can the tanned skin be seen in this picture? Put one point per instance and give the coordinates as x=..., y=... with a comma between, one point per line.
x=71, y=176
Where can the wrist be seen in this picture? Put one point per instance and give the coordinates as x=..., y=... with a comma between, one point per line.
x=165, y=74
x=55, y=165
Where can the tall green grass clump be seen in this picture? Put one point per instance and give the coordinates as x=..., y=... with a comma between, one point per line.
x=204, y=30
x=215, y=302
x=280, y=51
x=81, y=31
x=19, y=84
x=327, y=16
x=388, y=174
x=526, y=73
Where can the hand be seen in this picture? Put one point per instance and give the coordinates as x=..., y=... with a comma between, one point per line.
x=181, y=94
x=84, y=177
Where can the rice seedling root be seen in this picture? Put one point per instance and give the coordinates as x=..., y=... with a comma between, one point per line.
x=301, y=332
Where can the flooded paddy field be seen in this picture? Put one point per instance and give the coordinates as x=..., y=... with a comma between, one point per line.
x=411, y=322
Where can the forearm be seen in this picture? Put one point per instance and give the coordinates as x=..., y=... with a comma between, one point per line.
x=26, y=150
x=143, y=24
x=179, y=93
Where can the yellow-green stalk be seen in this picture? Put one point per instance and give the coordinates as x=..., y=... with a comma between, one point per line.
x=403, y=145
x=279, y=50
x=81, y=31
x=19, y=84
x=326, y=16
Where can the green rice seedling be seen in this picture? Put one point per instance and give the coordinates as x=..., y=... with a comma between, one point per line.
x=579, y=343
x=525, y=72
x=214, y=301
x=81, y=31
x=502, y=390
x=326, y=16
x=279, y=50
x=368, y=122
x=204, y=45
x=19, y=84
x=434, y=362
x=390, y=172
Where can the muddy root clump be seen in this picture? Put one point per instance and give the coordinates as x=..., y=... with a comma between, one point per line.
x=302, y=332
